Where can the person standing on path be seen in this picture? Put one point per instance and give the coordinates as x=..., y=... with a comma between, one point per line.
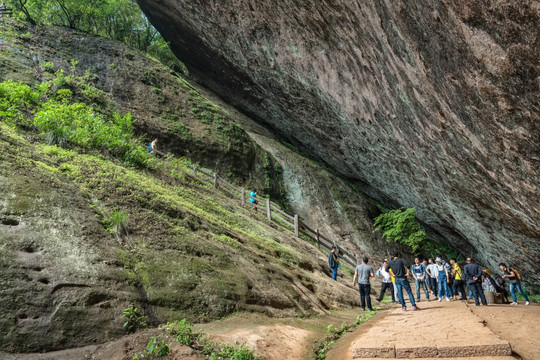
x=448, y=293
x=458, y=280
x=442, y=279
x=363, y=272
x=333, y=262
x=386, y=282
x=419, y=274
x=473, y=274
x=432, y=277
x=512, y=278
x=400, y=269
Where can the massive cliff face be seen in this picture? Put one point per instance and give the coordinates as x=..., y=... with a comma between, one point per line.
x=432, y=105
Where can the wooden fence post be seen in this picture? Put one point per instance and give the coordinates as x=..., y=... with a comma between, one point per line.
x=243, y=196
x=296, y=225
x=318, y=238
x=268, y=210
x=215, y=180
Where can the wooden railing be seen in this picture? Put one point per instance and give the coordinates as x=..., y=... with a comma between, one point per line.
x=274, y=213
x=4, y=12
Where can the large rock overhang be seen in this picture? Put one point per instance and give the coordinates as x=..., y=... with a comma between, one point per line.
x=431, y=105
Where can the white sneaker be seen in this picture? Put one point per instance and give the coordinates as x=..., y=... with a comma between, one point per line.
x=527, y=303
x=514, y=303
x=447, y=298
x=440, y=299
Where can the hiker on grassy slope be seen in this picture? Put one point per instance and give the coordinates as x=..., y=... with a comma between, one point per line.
x=333, y=262
x=400, y=269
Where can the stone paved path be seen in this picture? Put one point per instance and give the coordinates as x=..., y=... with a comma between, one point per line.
x=439, y=330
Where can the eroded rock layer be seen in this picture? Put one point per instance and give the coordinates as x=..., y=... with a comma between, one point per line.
x=432, y=105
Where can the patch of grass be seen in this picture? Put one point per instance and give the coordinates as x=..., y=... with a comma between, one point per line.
x=183, y=331
x=335, y=333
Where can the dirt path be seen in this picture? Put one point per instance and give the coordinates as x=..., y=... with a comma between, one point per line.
x=450, y=328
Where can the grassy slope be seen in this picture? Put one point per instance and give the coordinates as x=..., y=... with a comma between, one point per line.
x=190, y=251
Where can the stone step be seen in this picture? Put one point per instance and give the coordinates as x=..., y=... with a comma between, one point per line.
x=439, y=330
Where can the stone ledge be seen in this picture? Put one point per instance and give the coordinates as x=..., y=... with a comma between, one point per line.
x=404, y=352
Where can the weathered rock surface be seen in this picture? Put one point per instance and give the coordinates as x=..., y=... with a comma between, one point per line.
x=426, y=105
x=62, y=283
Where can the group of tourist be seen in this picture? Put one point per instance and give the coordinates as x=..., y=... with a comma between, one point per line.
x=438, y=279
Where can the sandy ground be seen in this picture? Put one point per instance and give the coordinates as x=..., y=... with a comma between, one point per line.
x=293, y=338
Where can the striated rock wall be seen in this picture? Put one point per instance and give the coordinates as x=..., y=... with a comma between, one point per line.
x=432, y=105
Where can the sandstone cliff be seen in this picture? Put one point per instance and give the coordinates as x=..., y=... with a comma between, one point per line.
x=432, y=105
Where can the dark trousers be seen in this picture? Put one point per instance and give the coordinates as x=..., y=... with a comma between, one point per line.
x=385, y=286
x=459, y=284
x=432, y=282
x=364, y=296
x=477, y=292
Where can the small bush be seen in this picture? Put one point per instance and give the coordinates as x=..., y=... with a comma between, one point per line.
x=156, y=348
x=183, y=330
x=119, y=221
x=134, y=319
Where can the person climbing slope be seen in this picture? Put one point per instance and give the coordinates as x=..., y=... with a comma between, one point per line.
x=333, y=262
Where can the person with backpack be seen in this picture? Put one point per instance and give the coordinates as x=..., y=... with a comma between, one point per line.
x=333, y=262
x=514, y=278
x=419, y=274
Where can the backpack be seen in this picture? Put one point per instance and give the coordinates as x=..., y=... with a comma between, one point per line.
x=149, y=148
x=518, y=275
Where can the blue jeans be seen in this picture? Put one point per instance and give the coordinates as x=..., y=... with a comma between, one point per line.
x=403, y=283
x=334, y=273
x=517, y=286
x=421, y=284
x=443, y=286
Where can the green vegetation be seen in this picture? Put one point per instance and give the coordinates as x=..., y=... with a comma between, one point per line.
x=156, y=348
x=134, y=319
x=118, y=221
x=400, y=225
x=333, y=334
x=62, y=108
x=184, y=334
x=120, y=20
